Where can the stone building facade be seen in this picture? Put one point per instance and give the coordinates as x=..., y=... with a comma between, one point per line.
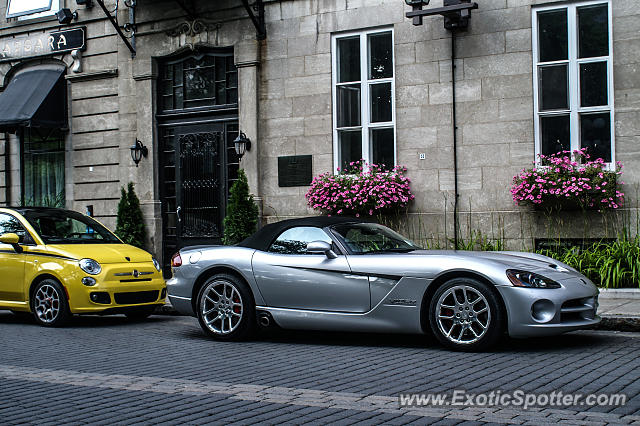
x=335, y=80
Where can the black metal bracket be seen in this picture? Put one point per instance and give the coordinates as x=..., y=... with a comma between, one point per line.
x=129, y=26
x=258, y=21
x=456, y=13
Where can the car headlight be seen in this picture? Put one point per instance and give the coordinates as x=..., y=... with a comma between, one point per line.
x=530, y=280
x=90, y=266
x=156, y=264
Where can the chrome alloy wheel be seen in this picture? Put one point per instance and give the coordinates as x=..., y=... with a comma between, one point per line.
x=221, y=307
x=463, y=314
x=47, y=303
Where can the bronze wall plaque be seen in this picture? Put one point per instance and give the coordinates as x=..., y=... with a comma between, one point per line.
x=295, y=170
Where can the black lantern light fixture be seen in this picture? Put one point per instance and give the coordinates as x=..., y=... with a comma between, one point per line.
x=65, y=16
x=242, y=144
x=138, y=150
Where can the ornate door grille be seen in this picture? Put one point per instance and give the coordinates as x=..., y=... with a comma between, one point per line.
x=200, y=196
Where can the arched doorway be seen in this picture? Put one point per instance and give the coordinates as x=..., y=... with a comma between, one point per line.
x=197, y=123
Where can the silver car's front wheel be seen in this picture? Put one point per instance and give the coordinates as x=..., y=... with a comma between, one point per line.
x=225, y=308
x=463, y=314
x=466, y=314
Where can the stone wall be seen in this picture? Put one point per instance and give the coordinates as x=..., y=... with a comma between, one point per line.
x=112, y=102
x=494, y=106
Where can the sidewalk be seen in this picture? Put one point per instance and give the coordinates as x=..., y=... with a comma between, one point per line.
x=619, y=309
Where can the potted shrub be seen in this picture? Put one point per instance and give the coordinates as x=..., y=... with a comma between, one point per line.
x=130, y=221
x=242, y=212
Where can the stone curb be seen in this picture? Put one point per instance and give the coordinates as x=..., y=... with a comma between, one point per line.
x=619, y=323
x=609, y=322
x=620, y=293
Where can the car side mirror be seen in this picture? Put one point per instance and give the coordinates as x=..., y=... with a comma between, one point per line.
x=13, y=240
x=321, y=247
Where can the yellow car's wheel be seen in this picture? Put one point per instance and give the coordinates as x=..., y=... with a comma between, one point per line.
x=49, y=304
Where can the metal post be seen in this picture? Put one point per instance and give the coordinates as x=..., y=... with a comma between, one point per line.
x=455, y=139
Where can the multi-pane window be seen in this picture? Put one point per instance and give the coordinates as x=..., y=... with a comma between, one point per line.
x=199, y=81
x=29, y=9
x=43, y=167
x=363, y=98
x=573, y=78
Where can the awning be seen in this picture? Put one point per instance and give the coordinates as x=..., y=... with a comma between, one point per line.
x=35, y=97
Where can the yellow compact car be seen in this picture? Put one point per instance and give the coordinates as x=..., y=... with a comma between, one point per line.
x=55, y=263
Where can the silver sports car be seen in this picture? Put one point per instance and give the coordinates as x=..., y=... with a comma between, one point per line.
x=326, y=273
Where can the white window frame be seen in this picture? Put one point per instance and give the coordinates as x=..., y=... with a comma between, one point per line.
x=574, y=63
x=365, y=83
x=28, y=12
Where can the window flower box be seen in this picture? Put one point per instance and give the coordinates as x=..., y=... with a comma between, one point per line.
x=363, y=189
x=569, y=181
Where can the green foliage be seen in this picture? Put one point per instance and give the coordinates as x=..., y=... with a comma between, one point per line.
x=478, y=241
x=130, y=222
x=608, y=264
x=242, y=212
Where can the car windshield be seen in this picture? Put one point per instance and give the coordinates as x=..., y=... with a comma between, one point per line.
x=68, y=227
x=363, y=238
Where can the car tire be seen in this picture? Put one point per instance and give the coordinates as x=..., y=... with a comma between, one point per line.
x=49, y=304
x=225, y=308
x=140, y=314
x=466, y=315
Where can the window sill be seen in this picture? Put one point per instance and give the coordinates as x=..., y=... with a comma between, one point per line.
x=15, y=22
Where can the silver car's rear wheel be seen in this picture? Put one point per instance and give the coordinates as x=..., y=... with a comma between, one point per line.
x=467, y=314
x=221, y=307
x=225, y=308
x=464, y=314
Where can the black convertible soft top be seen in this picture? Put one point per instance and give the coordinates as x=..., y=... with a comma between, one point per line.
x=263, y=238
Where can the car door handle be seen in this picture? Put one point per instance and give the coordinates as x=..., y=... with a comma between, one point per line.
x=178, y=213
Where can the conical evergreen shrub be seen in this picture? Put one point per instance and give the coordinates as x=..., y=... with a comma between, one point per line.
x=130, y=222
x=242, y=212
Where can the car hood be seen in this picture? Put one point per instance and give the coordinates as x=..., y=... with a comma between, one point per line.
x=102, y=253
x=432, y=263
x=531, y=262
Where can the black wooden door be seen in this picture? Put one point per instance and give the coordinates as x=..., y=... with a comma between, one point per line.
x=198, y=165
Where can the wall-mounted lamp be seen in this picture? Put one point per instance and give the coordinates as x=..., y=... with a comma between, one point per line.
x=242, y=144
x=65, y=16
x=138, y=150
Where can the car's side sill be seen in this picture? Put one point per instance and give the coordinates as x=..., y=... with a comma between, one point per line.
x=385, y=318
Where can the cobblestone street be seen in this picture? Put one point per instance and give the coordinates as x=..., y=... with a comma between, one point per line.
x=164, y=370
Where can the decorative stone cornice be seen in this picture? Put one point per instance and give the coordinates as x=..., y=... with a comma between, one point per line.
x=246, y=64
x=93, y=75
x=143, y=77
x=192, y=28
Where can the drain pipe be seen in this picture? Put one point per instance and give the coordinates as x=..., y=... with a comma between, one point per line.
x=455, y=139
x=456, y=15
